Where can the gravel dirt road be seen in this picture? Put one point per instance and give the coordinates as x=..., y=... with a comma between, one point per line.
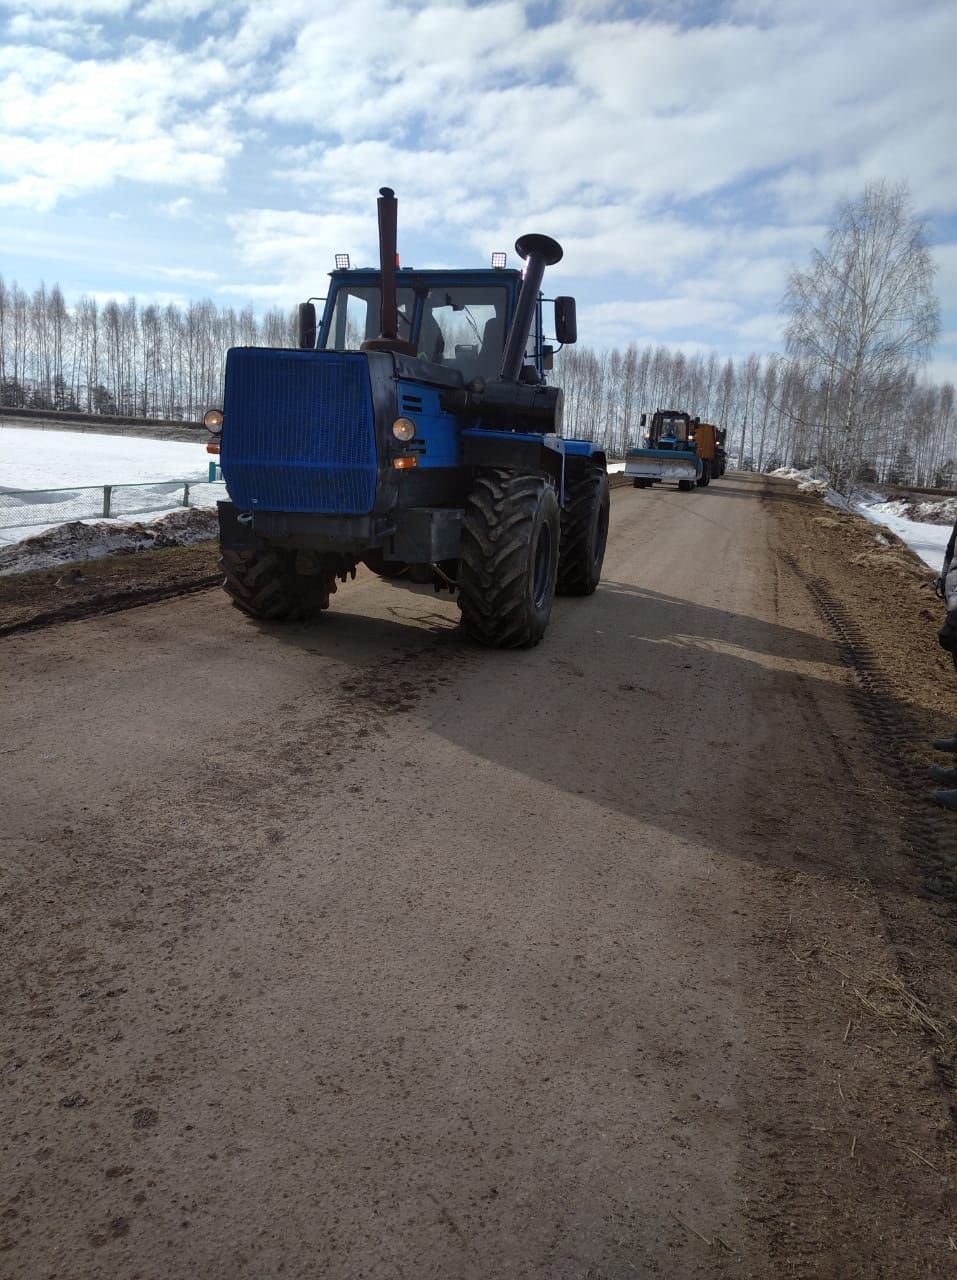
x=351, y=950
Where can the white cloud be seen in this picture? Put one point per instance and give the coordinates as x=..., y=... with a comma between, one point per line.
x=644, y=107
x=178, y=208
x=296, y=250
x=627, y=139
x=189, y=275
x=76, y=126
x=684, y=158
x=676, y=316
x=80, y=8
x=943, y=369
x=64, y=33
x=174, y=10
x=269, y=295
x=945, y=259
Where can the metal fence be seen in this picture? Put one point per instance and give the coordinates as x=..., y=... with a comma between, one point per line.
x=24, y=508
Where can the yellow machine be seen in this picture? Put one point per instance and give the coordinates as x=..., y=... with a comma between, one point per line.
x=710, y=441
x=705, y=436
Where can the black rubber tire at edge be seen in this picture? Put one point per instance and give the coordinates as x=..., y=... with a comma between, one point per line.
x=509, y=559
x=584, y=533
x=265, y=585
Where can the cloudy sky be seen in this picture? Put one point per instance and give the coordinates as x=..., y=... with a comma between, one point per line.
x=684, y=152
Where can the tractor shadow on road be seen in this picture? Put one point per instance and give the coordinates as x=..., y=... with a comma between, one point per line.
x=719, y=728
x=722, y=730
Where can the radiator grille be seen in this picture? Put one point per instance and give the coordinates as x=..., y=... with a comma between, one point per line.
x=299, y=432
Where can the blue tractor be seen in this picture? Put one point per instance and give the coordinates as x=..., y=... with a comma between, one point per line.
x=413, y=430
x=677, y=447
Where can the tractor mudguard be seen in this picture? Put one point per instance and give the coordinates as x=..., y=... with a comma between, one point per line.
x=514, y=451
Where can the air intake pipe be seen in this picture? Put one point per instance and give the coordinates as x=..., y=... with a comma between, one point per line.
x=538, y=253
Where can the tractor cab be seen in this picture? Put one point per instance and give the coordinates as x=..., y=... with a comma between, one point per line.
x=454, y=319
x=671, y=429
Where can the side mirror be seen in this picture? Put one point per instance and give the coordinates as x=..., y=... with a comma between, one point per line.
x=307, y=326
x=548, y=358
x=566, y=325
x=643, y=420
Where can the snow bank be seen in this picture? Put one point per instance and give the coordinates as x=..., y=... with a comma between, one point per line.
x=922, y=511
x=807, y=481
x=81, y=540
x=927, y=535
x=929, y=541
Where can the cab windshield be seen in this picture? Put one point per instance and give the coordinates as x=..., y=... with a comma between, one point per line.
x=355, y=317
x=459, y=327
x=677, y=427
x=464, y=328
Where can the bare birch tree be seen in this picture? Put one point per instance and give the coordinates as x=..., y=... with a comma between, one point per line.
x=864, y=313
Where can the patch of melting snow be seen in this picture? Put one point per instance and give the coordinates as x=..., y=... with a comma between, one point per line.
x=67, y=543
x=928, y=541
x=806, y=481
x=924, y=526
x=929, y=511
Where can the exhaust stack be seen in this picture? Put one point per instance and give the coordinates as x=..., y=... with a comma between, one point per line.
x=388, y=339
x=538, y=252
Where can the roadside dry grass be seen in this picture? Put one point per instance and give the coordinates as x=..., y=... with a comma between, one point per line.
x=100, y=586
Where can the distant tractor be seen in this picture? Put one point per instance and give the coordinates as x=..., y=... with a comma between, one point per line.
x=413, y=431
x=676, y=448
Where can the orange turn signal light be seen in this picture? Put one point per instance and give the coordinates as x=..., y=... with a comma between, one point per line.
x=403, y=464
x=212, y=447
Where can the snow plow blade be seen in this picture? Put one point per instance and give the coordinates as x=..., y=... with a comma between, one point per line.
x=660, y=464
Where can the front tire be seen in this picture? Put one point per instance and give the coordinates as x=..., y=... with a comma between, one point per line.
x=705, y=478
x=509, y=565
x=264, y=583
x=584, y=534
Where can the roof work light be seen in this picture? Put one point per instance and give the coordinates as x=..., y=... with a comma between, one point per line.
x=342, y=262
x=498, y=260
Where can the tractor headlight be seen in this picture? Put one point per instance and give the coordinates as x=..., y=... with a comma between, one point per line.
x=213, y=420
x=403, y=429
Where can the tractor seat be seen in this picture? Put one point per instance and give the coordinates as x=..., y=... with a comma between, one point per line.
x=431, y=341
x=489, y=361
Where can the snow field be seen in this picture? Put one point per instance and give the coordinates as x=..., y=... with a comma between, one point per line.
x=32, y=459
x=36, y=459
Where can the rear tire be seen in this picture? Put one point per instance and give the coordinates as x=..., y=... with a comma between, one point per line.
x=265, y=584
x=509, y=565
x=705, y=478
x=584, y=534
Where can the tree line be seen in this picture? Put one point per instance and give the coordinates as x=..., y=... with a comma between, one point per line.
x=117, y=357
x=846, y=396
x=778, y=411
